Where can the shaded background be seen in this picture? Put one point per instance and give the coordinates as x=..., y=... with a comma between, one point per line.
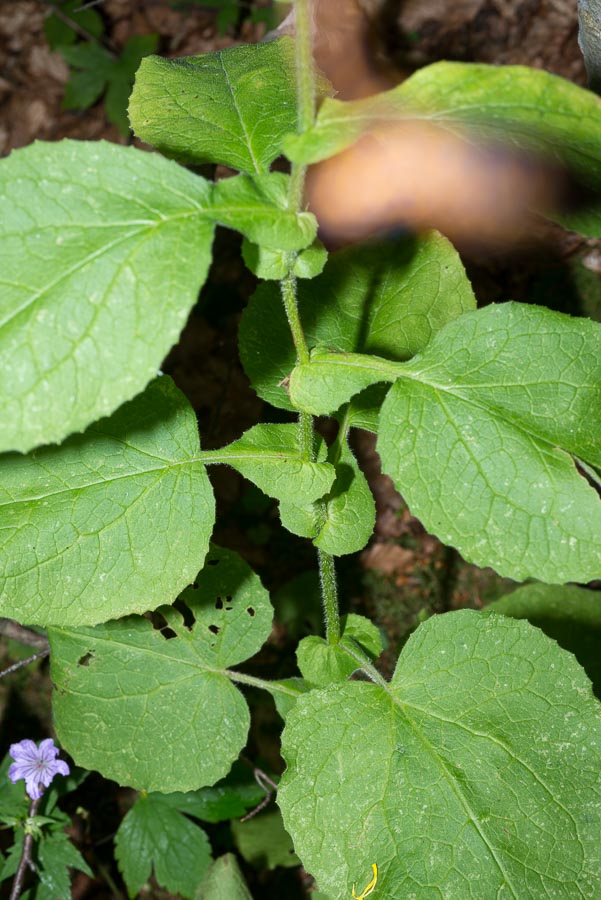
x=404, y=575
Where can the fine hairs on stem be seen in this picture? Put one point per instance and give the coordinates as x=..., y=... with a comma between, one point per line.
x=305, y=91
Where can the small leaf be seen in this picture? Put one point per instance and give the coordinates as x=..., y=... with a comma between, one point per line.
x=272, y=265
x=144, y=708
x=153, y=835
x=349, y=510
x=570, y=615
x=478, y=439
x=258, y=207
x=476, y=770
x=263, y=842
x=269, y=456
x=102, y=254
x=224, y=881
x=113, y=521
x=384, y=298
x=329, y=380
x=85, y=86
x=322, y=664
x=345, y=519
x=231, y=107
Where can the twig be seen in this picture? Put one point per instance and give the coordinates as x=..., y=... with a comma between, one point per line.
x=25, y=854
x=25, y=662
x=11, y=629
x=88, y=5
x=265, y=783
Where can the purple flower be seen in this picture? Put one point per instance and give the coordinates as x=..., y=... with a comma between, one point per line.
x=37, y=765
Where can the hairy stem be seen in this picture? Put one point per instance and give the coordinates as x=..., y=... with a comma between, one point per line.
x=273, y=687
x=329, y=592
x=288, y=289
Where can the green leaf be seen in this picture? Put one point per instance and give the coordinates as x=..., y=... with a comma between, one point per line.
x=329, y=380
x=346, y=517
x=524, y=107
x=231, y=107
x=529, y=106
x=285, y=702
x=231, y=798
x=57, y=856
x=85, y=86
x=263, y=842
x=155, y=711
x=384, y=298
x=258, y=207
x=102, y=254
x=349, y=510
x=113, y=521
x=153, y=835
x=322, y=664
x=272, y=265
x=478, y=437
x=570, y=615
x=269, y=456
x=224, y=881
x=474, y=773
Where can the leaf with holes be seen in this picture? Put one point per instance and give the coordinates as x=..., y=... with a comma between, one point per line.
x=384, y=298
x=474, y=772
x=113, y=521
x=145, y=706
x=231, y=107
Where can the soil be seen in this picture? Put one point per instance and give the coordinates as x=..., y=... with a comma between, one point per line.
x=404, y=575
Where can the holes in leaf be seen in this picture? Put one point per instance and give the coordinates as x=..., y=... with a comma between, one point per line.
x=86, y=659
x=214, y=629
x=186, y=614
x=251, y=611
x=213, y=562
x=160, y=624
x=224, y=603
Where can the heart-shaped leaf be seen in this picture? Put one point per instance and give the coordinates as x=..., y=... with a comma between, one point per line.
x=474, y=773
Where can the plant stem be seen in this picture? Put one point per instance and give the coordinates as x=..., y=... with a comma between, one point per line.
x=288, y=289
x=305, y=95
x=305, y=70
x=24, y=662
x=273, y=687
x=329, y=592
x=25, y=854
